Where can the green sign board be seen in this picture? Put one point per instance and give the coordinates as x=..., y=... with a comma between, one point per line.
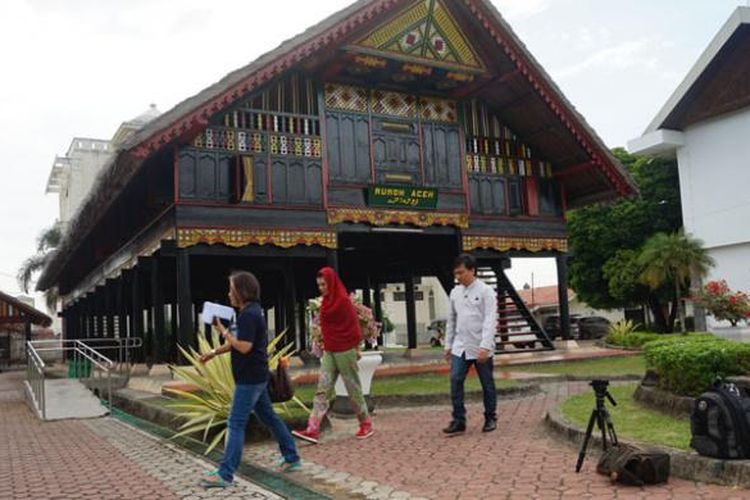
x=389, y=196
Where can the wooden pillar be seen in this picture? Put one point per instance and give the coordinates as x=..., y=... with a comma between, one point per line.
x=86, y=306
x=136, y=308
x=27, y=334
x=332, y=259
x=367, y=302
x=278, y=314
x=94, y=314
x=109, y=308
x=378, y=310
x=172, y=347
x=562, y=294
x=185, y=327
x=158, y=337
x=68, y=330
x=120, y=307
x=411, y=313
x=302, y=319
x=290, y=301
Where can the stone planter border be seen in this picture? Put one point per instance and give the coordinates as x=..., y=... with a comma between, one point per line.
x=684, y=465
x=663, y=401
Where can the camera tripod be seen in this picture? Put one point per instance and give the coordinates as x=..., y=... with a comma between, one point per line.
x=600, y=415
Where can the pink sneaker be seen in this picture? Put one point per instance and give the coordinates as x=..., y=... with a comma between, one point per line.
x=365, y=430
x=309, y=435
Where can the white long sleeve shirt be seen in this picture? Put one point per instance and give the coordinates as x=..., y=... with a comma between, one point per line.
x=472, y=321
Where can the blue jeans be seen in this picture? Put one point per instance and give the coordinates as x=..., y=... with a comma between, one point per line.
x=459, y=369
x=246, y=399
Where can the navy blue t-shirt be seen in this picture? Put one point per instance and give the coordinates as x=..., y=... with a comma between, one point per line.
x=251, y=368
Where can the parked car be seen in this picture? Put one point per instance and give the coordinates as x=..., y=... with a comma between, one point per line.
x=437, y=327
x=593, y=327
x=552, y=326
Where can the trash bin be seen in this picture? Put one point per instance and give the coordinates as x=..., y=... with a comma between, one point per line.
x=79, y=368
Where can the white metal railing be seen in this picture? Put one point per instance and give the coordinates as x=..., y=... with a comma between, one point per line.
x=35, y=379
x=86, y=359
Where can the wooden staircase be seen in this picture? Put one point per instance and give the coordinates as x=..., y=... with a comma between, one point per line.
x=517, y=329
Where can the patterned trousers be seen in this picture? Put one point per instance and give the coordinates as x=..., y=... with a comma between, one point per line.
x=333, y=364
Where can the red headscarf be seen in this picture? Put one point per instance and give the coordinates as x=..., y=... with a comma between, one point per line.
x=338, y=317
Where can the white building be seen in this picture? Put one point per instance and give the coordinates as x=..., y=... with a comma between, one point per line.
x=73, y=175
x=705, y=125
x=431, y=304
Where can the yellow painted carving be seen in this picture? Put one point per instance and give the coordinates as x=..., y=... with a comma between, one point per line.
x=401, y=217
x=247, y=166
x=506, y=243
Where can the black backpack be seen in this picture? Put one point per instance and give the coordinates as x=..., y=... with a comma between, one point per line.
x=720, y=422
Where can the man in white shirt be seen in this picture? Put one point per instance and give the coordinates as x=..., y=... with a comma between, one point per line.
x=470, y=340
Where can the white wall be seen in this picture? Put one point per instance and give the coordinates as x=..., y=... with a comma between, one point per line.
x=87, y=158
x=715, y=187
x=396, y=310
x=715, y=180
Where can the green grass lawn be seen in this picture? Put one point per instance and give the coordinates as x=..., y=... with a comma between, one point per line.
x=408, y=385
x=630, y=419
x=625, y=365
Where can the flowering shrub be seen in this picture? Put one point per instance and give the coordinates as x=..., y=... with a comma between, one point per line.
x=723, y=304
x=370, y=328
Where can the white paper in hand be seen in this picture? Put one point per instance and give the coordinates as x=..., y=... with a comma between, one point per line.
x=211, y=309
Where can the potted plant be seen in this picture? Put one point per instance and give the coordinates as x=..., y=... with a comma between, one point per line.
x=368, y=361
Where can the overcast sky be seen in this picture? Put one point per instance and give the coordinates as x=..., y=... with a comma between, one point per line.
x=81, y=67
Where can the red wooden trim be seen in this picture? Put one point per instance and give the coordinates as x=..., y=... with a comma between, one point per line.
x=249, y=206
x=420, y=136
x=327, y=229
x=575, y=169
x=176, y=168
x=364, y=186
x=373, y=173
x=462, y=160
x=325, y=178
x=514, y=235
x=237, y=178
x=532, y=196
x=365, y=207
x=269, y=162
x=523, y=218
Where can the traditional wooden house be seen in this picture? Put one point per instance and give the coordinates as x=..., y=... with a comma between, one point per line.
x=16, y=321
x=384, y=140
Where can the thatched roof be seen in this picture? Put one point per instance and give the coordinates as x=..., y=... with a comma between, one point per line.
x=607, y=180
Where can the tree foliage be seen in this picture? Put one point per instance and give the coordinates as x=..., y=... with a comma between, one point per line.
x=605, y=238
x=47, y=241
x=673, y=259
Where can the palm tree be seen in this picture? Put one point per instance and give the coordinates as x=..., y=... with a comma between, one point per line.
x=673, y=258
x=47, y=241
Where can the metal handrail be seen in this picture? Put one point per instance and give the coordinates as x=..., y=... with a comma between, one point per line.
x=81, y=349
x=35, y=377
x=101, y=356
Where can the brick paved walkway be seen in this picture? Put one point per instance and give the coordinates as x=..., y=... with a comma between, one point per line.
x=98, y=459
x=409, y=458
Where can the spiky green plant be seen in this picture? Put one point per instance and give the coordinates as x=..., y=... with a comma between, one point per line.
x=623, y=327
x=209, y=408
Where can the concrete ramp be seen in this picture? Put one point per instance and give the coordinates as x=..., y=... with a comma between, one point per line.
x=69, y=398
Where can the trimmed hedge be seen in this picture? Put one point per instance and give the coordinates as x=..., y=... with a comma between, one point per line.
x=636, y=340
x=687, y=367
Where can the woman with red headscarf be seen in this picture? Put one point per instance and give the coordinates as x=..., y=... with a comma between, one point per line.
x=339, y=325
